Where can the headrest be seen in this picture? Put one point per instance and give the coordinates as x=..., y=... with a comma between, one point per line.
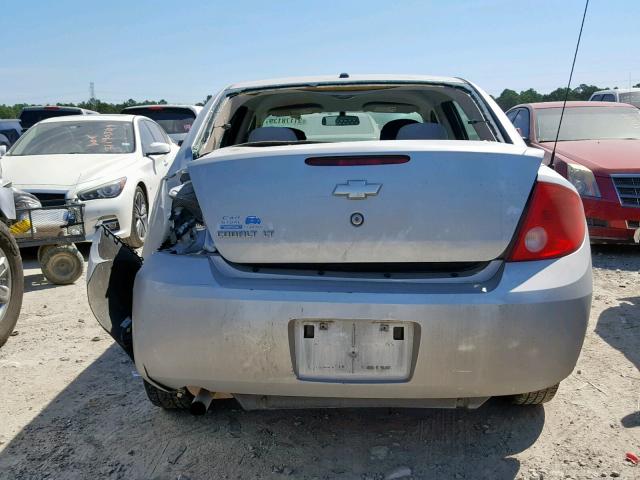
x=300, y=135
x=272, y=134
x=422, y=131
x=390, y=129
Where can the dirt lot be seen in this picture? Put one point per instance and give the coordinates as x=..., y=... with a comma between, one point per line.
x=72, y=407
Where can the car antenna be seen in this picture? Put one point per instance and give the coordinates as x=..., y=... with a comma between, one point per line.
x=566, y=93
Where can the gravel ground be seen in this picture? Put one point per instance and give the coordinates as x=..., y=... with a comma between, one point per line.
x=72, y=407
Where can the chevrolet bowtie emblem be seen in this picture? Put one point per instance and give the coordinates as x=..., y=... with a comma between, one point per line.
x=357, y=189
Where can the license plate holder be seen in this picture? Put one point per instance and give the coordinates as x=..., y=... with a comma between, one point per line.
x=353, y=350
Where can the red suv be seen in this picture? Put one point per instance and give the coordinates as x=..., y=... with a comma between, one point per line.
x=598, y=151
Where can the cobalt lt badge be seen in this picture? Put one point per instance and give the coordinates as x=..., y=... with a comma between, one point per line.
x=357, y=219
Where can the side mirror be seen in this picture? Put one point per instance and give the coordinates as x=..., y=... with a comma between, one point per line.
x=158, y=148
x=522, y=135
x=3, y=150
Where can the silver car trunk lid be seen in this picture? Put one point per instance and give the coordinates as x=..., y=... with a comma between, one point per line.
x=429, y=201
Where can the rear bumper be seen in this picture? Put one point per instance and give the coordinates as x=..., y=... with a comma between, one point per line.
x=195, y=325
x=616, y=220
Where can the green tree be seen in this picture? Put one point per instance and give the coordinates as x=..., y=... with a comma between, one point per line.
x=530, y=96
x=507, y=99
x=10, y=111
x=556, y=95
x=584, y=91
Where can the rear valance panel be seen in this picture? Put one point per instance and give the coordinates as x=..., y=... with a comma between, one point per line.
x=452, y=202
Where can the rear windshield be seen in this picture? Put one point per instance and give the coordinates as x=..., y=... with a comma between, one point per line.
x=88, y=137
x=588, y=123
x=28, y=118
x=338, y=126
x=630, y=97
x=172, y=120
x=347, y=113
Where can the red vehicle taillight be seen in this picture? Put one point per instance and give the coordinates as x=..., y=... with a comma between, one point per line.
x=553, y=224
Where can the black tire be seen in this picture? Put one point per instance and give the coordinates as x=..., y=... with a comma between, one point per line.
x=179, y=400
x=62, y=264
x=139, y=218
x=536, y=398
x=10, y=316
x=41, y=250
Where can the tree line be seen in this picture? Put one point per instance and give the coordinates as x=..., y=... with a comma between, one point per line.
x=507, y=99
x=12, y=111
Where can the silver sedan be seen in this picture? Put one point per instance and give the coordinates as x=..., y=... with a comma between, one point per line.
x=352, y=241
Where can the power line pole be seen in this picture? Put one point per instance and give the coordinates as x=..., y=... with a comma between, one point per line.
x=92, y=94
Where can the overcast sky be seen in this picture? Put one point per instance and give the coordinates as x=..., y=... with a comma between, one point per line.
x=183, y=50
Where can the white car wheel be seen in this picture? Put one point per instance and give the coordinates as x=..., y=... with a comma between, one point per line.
x=139, y=219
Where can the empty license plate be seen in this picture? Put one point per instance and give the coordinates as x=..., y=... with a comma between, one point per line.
x=353, y=350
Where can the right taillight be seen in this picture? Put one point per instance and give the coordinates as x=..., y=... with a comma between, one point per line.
x=553, y=225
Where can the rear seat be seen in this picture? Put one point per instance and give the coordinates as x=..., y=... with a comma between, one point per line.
x=390, y=129
x=272, y=134
x=422, y=131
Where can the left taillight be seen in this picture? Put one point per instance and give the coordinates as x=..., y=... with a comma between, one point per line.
x=553, y=225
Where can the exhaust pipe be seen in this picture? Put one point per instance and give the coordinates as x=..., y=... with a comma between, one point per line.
x=201, y=402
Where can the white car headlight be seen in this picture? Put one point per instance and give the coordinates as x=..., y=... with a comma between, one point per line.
x=583, y=179
x=106, y=190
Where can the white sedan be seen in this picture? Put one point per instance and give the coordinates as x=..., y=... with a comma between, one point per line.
x=112, y=163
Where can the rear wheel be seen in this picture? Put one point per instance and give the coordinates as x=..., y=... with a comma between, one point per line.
x=62, y=264
x=536, y=398
x=139, y=219
x=178, y=400
x=11, y=283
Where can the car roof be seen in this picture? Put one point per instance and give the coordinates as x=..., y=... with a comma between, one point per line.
x=572, y=104
x=619, y=90
x=194, y=108
x=91, y=118
x=335, y=79
x=56, y=107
